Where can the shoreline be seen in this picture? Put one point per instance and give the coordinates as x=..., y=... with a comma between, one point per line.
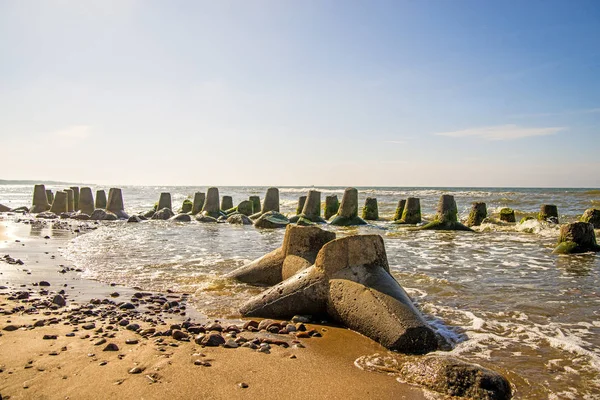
x=65, y=367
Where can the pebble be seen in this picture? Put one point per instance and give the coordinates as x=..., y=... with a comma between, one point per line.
x=231, y=344
x=100, y=342
x=131, y=341
x=50, y=337
x=89, y=326
x=179, y=335
x=136, y=370
x=111, y=347
x=243, y=385
x=202, y=363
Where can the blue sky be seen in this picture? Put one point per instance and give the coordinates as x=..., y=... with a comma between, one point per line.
x=396, y=93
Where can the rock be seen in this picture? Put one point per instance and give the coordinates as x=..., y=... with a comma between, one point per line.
x=446, y=218
x=311, y=211
x=49, y=197
x=21, y=210
x=548, y=213
x=351, y=282
x=50, y=337
x=40, y=200
x=70, y=200
x=163, y=214
x=136, y=370
x=255, y=200
x=75, y=190
x=198, y=202
x=271, y=203
x=301, y=202
x=230, y=344
x=134, y=218
x=370, y=210
x=592, y=216
x=3, y=208
x=60, y=203
x=179, y=335
x=412, y=212
x=59, y=300
x=10, y=328
x=80, y=216
x=298, y=251
x=115, y=203
x=226, y=202
x=86, y=201
x=47, y=215
x=239, y=219
x=44, y=283
x=186, y=207
x=348, y=212
x=212, y=340
x=111, y=347
x=507, y=215
x=332, y=206
x=245, y=208
x=577, y=237
x=453, y=377
x=399, y=210
x=100, y=199
x=182, y=218
x=271, y=220
x=101, y=215
x=477, y=215
x=164, y=201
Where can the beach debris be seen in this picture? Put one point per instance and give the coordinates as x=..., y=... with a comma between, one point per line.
x=351, y=282
x=446, y=218
x=332, y=206
x=86, y=201
x=100, y=199
x=370, y=211
x=576, y=237
x=507, y=215
x=399, y=210
x=592, y=216
x=299, y=250
x=411, y=215
x=40, y=200
x=477, y=214
x=548, y=213
x=59, y=205
x=311, y=209
x=348, y=212
x=271, y=203
x=115, y=203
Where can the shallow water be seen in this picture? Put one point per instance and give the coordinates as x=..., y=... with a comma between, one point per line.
x=499, y=296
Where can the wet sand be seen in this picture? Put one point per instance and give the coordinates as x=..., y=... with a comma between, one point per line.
x=73, y=365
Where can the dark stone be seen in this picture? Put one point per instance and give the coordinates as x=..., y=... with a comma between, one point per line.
x=577, y=237
x=548, y=213
x=477, y=214
x=591, y=216
x=271, y=220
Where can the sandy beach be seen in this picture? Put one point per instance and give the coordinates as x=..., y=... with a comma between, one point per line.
x=52, y=352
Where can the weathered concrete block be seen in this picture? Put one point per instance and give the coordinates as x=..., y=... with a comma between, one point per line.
x=50, y=197
x=60, y=203
x=40, y=200
x=592, y=216
x=271, y=203
x=577, y=237
x=86, y=201
x=115, y=203
x=70, y=200
x=548, y=213
x=311, y=210
x=226, y=202
x=246, y=208
x=211, y=207
x=507, y=215
x=351, y=282
x=186, y=207
x=399, y=210
x=198, y=203
x=348, y=212
x=75, y=190
x=477, y=214
x=255, y=203
x=101, y=199
x=332, y=206
x=446, y=218
x=370, y=210
x=298, y=251
x=164, y=201
x=412, y=212
x=301, y=202
x=103, y=215
x=239, y=219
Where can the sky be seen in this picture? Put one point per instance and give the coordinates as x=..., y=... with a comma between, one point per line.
x=325, y=93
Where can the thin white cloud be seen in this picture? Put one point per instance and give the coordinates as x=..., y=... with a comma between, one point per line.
x=502, y=132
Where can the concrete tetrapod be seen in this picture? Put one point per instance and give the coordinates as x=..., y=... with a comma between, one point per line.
x=211, y=209
x=332, y=206
x=311, y=210
x=186, y=206
x=446, y=218
x=577, y=237
x=75, y=190
x=299, y=250
x=412, y=212
x=245, y=207
x=351, y=282
x=101, y=199
x=548, y=213
x=507, y=215
x=348, y=213
x=255, y=203
x=370, y=210
x=164, y=201
x=49, y=196
x=115, y=203
x=226, y=203
x=591, y=215
x=70, y=200
x=59, y=205
x=477, y=214
x=86, y=201
x=198, y=203
x=399, y=210
x=40, y=200
x=301, y=202
x=271, y=203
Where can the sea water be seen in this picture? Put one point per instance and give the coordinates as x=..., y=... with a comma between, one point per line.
x=499, y=296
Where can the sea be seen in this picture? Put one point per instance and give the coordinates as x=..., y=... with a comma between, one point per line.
x=499, y=296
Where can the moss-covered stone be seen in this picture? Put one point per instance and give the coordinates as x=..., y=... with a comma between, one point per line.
x=255, y=203
x=507, y=215
x=412, y=212
x=370, y=211
x=548, y=213
x=186, y=206
x=271, y=220
x=399, y=210
x=477, y=214
x=525, y=219
x=446, y=218
x=245, y=207
x=577, y=237
x=592, y=216
x=332, y=206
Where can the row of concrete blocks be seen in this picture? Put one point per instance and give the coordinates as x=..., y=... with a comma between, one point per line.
x=75, y=199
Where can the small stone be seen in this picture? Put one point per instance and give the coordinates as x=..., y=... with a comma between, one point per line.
x=231, y=344
x=50, y=337
x=131, y=341
x=111, y=347
x=44, y=283
x=136, y=370
x=179, y=335
x=202, y=363
x=243, y=385
x=100, y=342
